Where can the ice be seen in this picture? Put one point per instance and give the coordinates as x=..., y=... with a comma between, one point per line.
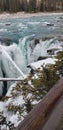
x=16, y=55
x=41, y=49
x=15, y=58
x=24, y=45
x=8, y=62
x=11, y=63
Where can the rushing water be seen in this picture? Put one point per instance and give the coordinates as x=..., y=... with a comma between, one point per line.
x=18, y=36
x=22, y=31
x=16, y=29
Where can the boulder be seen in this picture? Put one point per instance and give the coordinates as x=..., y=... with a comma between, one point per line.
x=36, y=41
x=42, y=58
x=50, y=24
x=7, y=24
x=6, y=41
x=52, y=51
x=61, y=17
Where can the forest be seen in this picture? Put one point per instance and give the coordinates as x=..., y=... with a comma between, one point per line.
x=31, y=5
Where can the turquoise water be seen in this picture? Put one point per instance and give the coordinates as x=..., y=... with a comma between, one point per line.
x=21, y=27
x=23, y=31
x=18, y=36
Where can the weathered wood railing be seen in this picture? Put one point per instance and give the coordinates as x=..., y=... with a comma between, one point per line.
x=36, y=118
x=10, y=79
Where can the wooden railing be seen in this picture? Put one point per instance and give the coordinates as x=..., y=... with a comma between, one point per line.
x=36, y=118
x=10, y=79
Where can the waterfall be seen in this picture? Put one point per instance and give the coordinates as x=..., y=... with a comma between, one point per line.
x=24, y=45
x=12, y=62
x=15, y=58
x=9, y=68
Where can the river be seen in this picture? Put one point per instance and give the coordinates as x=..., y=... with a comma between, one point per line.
x=20, y=37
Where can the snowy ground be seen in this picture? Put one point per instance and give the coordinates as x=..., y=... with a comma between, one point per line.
x=23, y=14
x=17, y=100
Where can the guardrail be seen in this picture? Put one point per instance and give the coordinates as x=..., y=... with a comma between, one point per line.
x=10, y=79
x=36, y=118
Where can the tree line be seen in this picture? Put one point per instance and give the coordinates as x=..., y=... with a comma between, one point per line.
x=31, y=5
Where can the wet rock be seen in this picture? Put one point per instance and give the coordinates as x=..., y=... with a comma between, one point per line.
x=36, y=41
x=58, y=20
x=52, y=51
x=61, y=17
x=50, y=24
x=32, y=71
x=7, y=24
x=59, y=52
x=6, y=41
x=42, y=58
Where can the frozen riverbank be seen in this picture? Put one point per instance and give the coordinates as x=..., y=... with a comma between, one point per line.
x=24, y=15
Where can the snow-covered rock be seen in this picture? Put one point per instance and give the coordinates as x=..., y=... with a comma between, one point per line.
x=38, y=64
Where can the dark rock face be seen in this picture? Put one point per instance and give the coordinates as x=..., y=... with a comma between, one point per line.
x=42, y=58
x=52, y=51
x=50, y=24
x=7, y=24
x=6, y=41
x=5, y=85
x=36, y=41
x=32, y=71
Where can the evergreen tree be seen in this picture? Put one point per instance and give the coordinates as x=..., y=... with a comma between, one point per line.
x=41, y=6
x=59, y=63
x=32, y=5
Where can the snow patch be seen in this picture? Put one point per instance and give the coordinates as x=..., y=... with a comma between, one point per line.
x=38, y=64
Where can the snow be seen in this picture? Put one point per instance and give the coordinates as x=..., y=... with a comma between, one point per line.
x=14, y=118
x=25, y=15
x=2, y=106
x=19, y=100
x=10, y=88
x=29, y=95
x=4, y=127
x=38, y=64
x=29, y=82
x=35, y=102
x=56, y=46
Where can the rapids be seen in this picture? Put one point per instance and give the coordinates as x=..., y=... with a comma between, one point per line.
x=24, y=40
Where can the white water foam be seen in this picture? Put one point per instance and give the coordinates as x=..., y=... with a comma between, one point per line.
x=3, y=30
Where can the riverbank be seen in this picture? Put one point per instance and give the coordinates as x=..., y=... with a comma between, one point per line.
x=24, y=15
